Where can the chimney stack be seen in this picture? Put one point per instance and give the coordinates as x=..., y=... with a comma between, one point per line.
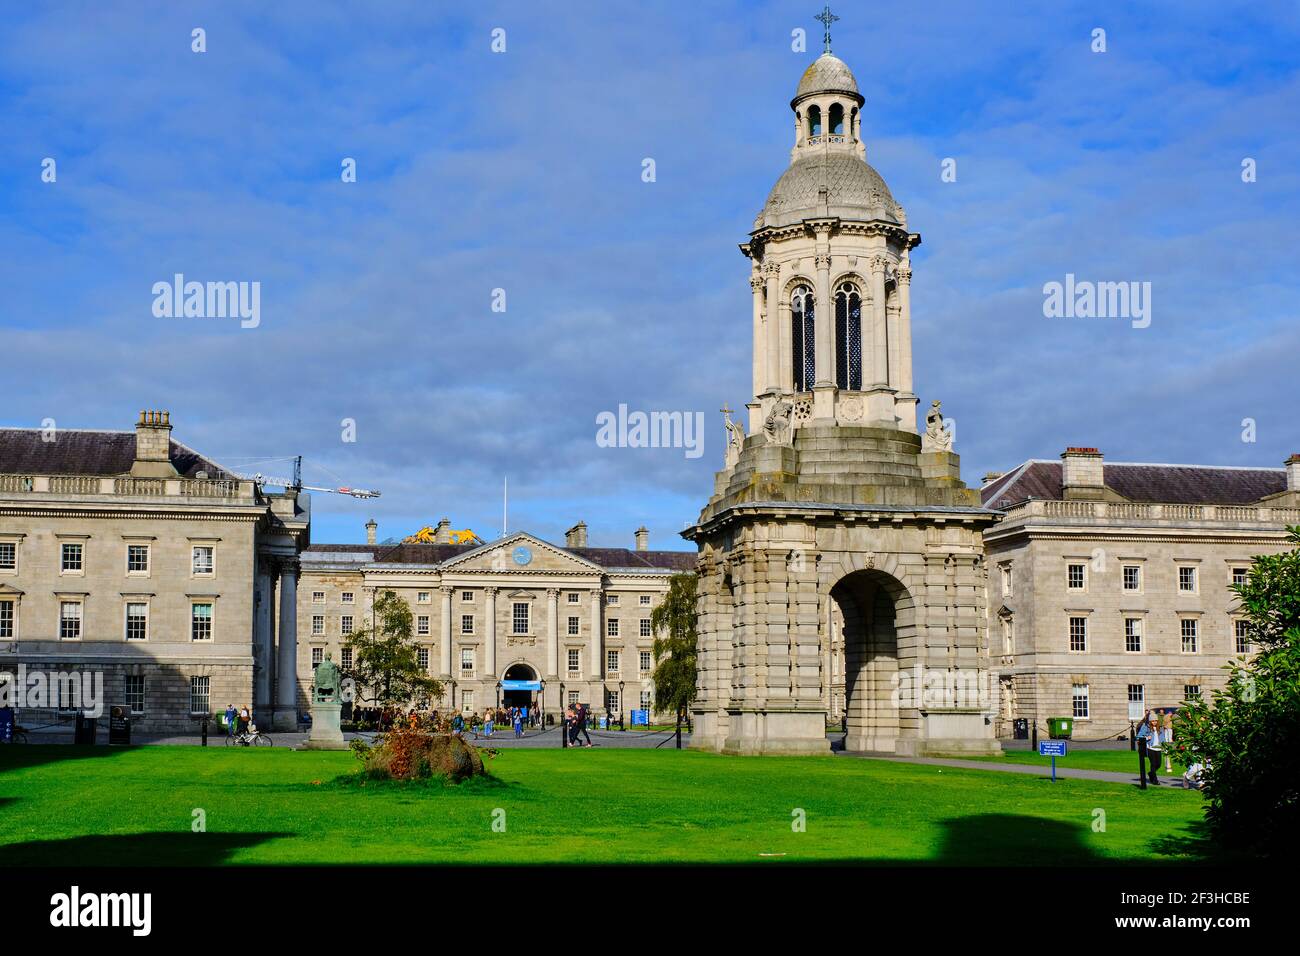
x=992, y=476
x=372, y=531
x=442, y=533
x=642, y=539
x=1082, y=474
x=1293, y=473
x=576, y=537
x=153, y=440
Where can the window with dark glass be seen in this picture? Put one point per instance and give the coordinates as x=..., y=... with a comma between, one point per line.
x=802, y=338
x=848, y=337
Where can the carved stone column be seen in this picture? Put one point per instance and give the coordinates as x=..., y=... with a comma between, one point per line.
x=772, y=337
x=596, y=666
x=905, y=401
x=879, y=329
x=490, y=634
x=756, y=284
x=880, y=400
x=824, y=332
x=264, y=639
x=552, y=633
x=444, y=648
x=286, y=703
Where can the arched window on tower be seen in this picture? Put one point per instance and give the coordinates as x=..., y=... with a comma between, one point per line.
x=853, y=124
x=848, y=337
x=814, y=121
x=837, y=119
x=803, y=338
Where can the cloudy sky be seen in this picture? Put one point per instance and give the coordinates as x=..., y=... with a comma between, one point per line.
x=521, y=171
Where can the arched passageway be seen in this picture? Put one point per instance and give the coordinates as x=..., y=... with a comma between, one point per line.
x=878, y=616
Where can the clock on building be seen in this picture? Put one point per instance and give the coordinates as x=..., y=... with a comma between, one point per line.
x=522, y=555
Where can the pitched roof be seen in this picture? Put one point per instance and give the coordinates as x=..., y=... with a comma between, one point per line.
x=627, y=558
x=105, y=454
x=426, y=554
x=1151, y=483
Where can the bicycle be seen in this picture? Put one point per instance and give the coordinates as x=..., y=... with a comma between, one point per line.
x=249, y=738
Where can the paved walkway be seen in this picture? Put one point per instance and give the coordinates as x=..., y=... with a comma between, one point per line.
x=504, y=739
x=1105, y=776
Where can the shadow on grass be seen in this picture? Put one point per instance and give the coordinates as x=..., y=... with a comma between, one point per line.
x=1005, y=839
x=1197, y=841
x=134, y=849
x=23, y=756
x=998, y=839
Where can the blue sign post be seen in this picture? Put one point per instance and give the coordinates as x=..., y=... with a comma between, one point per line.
x=1053, y=749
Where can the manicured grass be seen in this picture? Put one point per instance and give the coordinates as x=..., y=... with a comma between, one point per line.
x=1118, y=761
x=86, y=806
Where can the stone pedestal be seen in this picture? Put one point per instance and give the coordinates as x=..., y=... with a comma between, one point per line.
x=853, y=523
x=325, y=728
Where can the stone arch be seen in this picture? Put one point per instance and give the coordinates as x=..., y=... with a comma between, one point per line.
x=879, y=633
x=852, y=275
x=793, y=283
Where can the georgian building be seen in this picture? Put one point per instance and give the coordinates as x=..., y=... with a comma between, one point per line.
x=516, y=621
x=1110, y=582
x=129, y=555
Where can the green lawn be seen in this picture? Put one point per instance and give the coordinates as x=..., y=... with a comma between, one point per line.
x=84, y=806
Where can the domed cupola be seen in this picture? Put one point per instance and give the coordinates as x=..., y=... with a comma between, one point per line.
x=828, y=175
x=827, y=74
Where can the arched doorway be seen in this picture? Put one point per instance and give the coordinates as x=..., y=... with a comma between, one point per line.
x=877, y=612
x=520, y=686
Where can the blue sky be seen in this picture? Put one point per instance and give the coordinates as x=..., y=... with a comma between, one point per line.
x=522, y=171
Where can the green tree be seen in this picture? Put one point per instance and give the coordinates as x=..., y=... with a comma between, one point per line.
x=384, y=657
x=1248, y=734
x=673, y=623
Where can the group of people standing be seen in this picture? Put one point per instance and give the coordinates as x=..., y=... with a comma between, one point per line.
x=514, y=717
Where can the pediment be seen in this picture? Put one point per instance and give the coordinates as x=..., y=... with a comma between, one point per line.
x=505, y=556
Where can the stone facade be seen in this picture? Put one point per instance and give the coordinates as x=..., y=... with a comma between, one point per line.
x=832, y=514
x=131, y=556
x=573, y=620
x=1110, y=581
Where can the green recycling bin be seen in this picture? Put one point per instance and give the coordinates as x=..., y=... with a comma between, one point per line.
x=1060, y=728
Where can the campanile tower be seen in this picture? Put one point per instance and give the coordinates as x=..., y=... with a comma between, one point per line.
x=840, y=544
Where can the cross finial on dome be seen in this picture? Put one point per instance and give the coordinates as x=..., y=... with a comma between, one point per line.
x=827, y=18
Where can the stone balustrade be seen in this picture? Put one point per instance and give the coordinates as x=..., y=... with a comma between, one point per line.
x=188, y=488
x=1112, y=511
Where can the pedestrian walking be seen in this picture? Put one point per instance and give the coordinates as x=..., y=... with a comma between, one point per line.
x=231, y=716
x=519, y=724
x=1148, y=747
x=583, y=718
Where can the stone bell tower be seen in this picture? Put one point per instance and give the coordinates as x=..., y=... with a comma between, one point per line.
x=840, y=544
